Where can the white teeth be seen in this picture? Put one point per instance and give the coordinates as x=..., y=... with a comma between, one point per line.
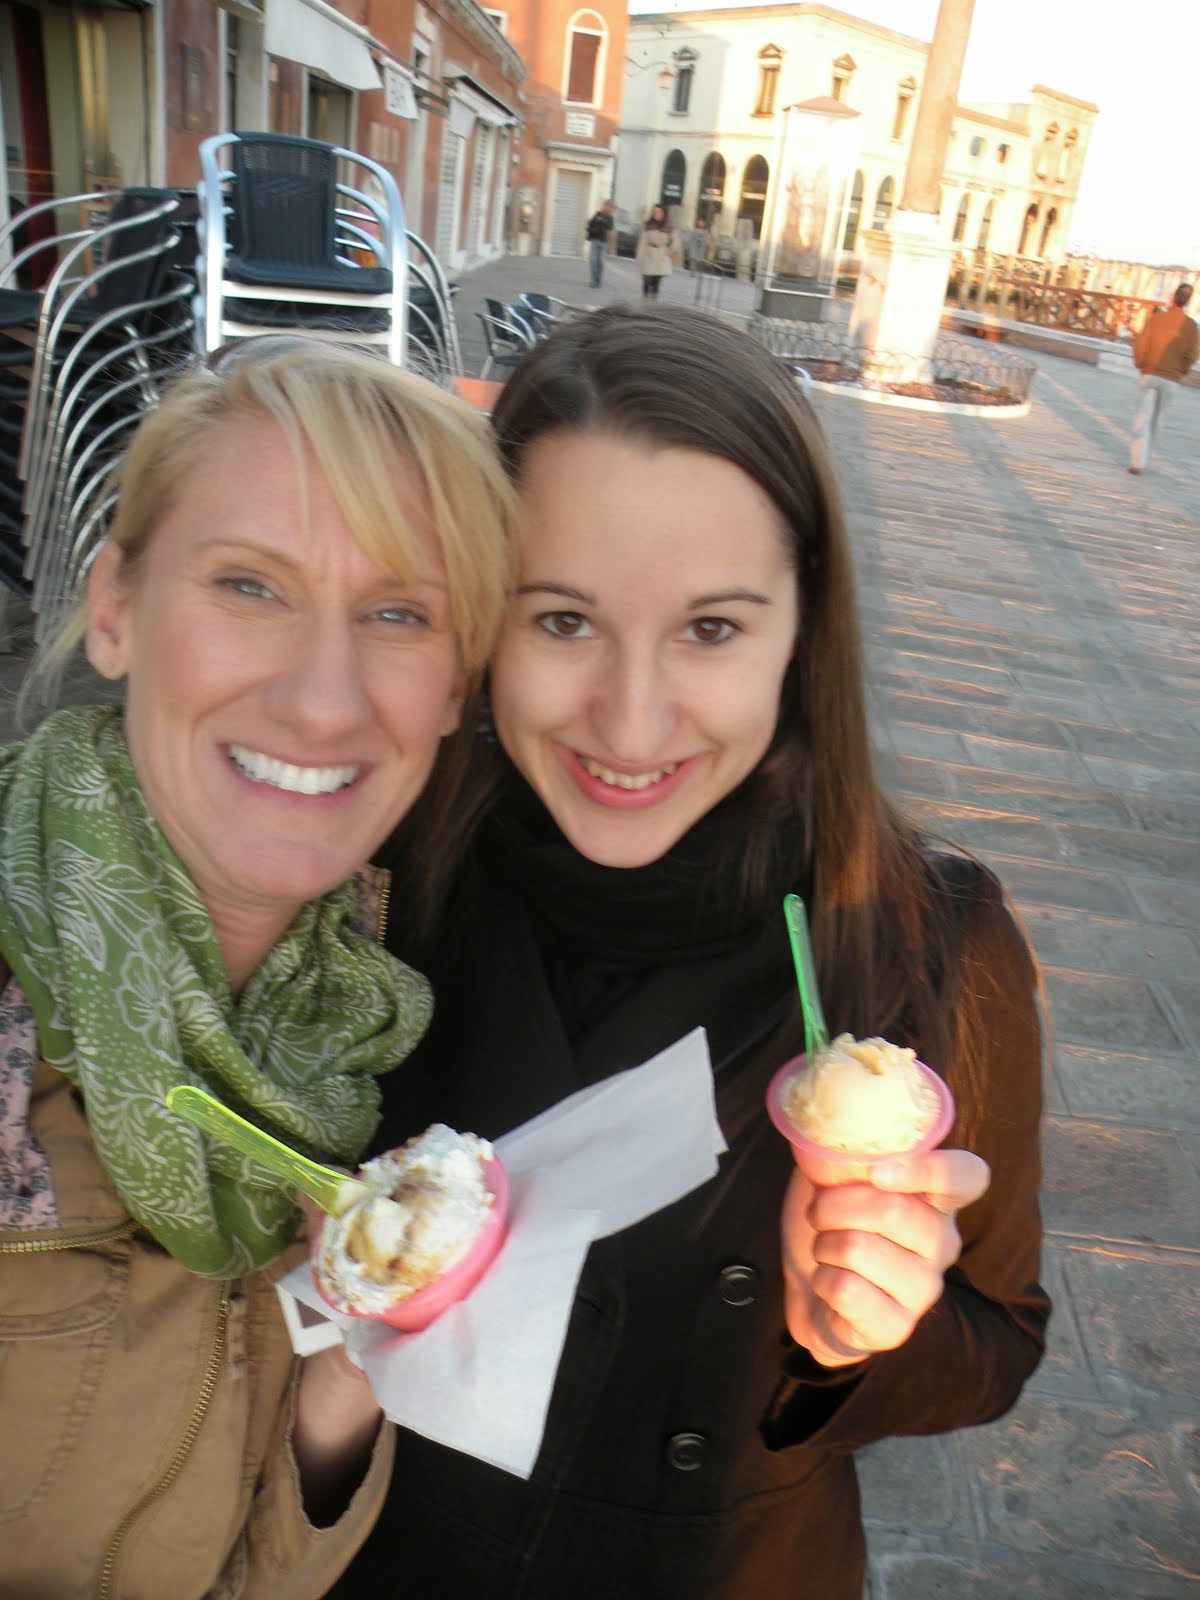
x=282, y=775
x=624, y=780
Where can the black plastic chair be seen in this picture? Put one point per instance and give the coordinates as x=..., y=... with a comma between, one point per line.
x=282, y=239
x=506, y=339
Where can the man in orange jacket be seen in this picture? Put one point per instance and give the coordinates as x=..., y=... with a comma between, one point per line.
x=1163, y=352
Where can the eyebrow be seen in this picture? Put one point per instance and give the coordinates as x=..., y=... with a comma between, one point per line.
x=269, y=552
x=700, y=603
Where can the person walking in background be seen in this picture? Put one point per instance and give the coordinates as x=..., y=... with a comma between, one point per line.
x=598, y=229
x=1164, y=352
x=655, y=244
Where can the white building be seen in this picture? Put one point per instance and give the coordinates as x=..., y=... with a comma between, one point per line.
x=704, y=141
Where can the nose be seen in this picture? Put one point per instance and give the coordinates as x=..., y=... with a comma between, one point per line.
x=633, y=706
x=319, y=689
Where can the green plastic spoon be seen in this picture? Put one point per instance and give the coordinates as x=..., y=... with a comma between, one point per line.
x=816, y=1033
x=333, y=1191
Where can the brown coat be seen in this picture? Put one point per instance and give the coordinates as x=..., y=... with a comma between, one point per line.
x=145, y=1412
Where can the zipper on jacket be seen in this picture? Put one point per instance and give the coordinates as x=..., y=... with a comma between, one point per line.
x=82, y=1240
x=381, y=919
x=187, y=1439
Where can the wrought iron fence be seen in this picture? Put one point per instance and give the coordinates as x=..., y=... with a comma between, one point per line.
x=960, y=369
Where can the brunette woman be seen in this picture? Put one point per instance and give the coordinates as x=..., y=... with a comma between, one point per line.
x=677, y=738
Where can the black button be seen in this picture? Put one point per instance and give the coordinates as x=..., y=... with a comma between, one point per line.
x=738, y=1285
x=686, y=1451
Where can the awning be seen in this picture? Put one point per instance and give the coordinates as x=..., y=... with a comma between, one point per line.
x=315, y=35
x=478, y=99
x=399, y=96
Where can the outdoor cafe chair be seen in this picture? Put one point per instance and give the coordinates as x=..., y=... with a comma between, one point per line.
x=544, y=311
x=506, y=337
x=80, y=361
x=283, y=239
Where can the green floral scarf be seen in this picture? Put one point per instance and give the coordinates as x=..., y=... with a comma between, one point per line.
x=108, y=938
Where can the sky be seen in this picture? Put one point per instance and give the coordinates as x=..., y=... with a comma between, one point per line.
x=1139, y=63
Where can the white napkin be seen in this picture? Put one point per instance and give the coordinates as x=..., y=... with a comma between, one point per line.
x=479, y=1379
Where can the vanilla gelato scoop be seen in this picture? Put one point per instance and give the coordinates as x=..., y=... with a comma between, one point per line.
x=428, y=1202
x=865, y=1096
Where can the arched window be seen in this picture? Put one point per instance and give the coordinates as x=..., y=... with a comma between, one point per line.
x=1044, y=162
x=711, y=198
x=1048, y=229
x=755, y=177
x=1066, y=159
x=960, y=218
x=985, y=227
x=769, y=59
x=674, y=176
x=1027, y=228
x=853, y=213
x=884, y=201
x=905, y=89
x=583, y=68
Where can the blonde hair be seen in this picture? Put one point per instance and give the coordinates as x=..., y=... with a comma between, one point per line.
x=357, y=416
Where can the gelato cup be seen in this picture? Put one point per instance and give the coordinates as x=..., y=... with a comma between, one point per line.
x=857, y=1104
x=429, y=1228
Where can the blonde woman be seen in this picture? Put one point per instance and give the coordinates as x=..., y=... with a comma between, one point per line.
x=305, y=573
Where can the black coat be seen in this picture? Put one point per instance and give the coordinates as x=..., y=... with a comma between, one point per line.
x=692, y=1449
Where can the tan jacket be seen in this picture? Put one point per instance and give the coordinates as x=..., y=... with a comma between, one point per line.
x=145, y=1413
x=654, y=251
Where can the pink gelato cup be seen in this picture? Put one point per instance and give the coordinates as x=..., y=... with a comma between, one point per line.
x=829, y=1166
x=426, y=1305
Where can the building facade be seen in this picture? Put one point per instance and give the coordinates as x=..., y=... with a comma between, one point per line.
x=702, y=135
x=575, y=58
x=108, y=96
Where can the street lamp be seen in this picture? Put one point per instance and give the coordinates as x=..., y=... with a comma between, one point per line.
x=664, y=77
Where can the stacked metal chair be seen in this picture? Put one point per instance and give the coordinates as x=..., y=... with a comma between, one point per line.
x=287, y=245
x=81, y=360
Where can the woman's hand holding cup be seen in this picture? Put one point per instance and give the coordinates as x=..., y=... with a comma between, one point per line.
x=864, y=1259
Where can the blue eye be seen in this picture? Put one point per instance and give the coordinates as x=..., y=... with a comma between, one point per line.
x=711, y=630
x=401, y=616
x=252, y=588
x=564, y=624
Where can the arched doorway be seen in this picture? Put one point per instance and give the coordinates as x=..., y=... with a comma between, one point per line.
x=1048, y=229
x=674, y=176
x=711, y=198
x=755, y=177
x=884, y=201
x=1027, y=228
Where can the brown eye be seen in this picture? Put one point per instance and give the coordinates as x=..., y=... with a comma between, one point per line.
x=712, y=630
x=564, y=624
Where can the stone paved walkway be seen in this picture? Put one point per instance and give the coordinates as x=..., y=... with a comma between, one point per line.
x=1034, y=622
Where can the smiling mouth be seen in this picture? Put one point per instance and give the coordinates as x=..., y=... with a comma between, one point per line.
x=625, y=780
x=275, y=774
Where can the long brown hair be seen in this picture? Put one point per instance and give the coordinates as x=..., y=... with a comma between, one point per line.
x=886, y=927
x=674, y=378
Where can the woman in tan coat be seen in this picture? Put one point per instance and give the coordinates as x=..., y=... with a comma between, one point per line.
x=655, y=244
x=305, y=571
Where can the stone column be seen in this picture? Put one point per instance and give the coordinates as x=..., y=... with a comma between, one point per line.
x=902, y=281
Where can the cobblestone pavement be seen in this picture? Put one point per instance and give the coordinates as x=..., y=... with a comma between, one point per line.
x=1031, y=612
